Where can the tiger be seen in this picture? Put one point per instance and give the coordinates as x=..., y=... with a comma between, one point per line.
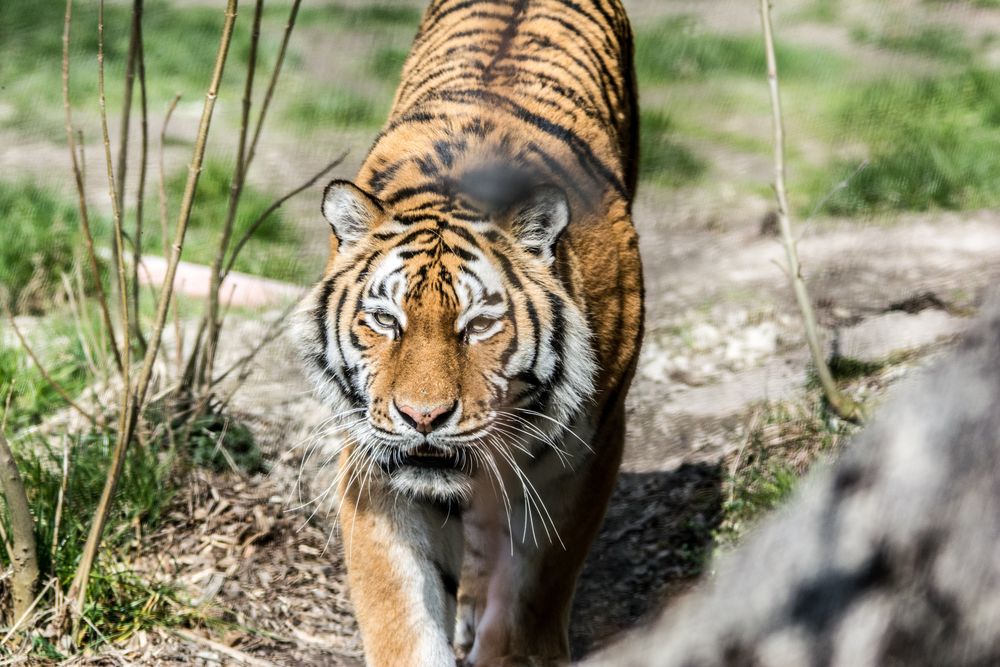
x=477, y=327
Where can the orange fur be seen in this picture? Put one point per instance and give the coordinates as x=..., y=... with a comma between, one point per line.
x=512, y=117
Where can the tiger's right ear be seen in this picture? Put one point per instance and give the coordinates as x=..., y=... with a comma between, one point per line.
x=351, y=211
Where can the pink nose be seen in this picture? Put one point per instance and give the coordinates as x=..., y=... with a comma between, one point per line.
x=426, y=419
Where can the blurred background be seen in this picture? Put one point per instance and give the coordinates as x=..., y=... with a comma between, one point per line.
x=892, y=117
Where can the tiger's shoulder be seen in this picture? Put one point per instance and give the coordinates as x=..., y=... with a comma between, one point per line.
x=547, y=85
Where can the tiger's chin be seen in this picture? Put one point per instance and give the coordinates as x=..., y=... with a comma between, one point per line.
x=440, y=484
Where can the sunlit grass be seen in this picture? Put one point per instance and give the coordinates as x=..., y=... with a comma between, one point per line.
x=933, y=41
x=662, y=158
x=41, y=238
x=275, y=250
x=932, y=143
x=681, y=48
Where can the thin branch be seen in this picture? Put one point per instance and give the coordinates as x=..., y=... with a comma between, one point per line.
x=57, y=520
x=24, y=617
x=140, y=194
x=78, y=591
x=841, y=404
x=24, y=556
x=272, y=84
x=116, y=211
x=228, y=651
x=273, y=331
x=45, y=374
x=178, y=352
x=274, y=207
x=88, y=236
x=130, y=62
x=235, y=191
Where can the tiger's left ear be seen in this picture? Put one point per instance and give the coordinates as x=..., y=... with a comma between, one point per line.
x=351, y=211
x=538, y=221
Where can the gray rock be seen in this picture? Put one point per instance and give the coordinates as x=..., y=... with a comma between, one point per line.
x=888, y=557
x=877, y=338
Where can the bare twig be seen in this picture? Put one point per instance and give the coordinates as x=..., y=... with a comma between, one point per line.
x=243, y=362
x=178, y=352
x=123, y=136
x=841, y=404
x=24, y=558
x=24, y=617
x=63, y=394
x=266, y=104
x=77, y=592
x=140, y=194
x=235, y=191
x=228, y=651
x=274, y=207
x=75, y=311
x=116, y=209
x=88, y=236
x=59, y=500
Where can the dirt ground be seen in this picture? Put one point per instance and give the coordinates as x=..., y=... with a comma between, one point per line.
x=723, y=336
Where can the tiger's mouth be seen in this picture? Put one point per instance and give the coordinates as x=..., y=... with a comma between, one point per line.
x=428, y=456
x=425, y=471
x=425, y=455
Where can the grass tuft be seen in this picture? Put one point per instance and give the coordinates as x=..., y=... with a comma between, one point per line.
x=783, y=443
x=39, y=243
x=120, y=602
x=933, y=41
x=275, y=250
x=679, y=48
x=933, y=143
x=221, y=443
x=662, y=159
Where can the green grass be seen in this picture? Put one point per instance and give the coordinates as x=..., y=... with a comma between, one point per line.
x=679, y=48
x=275, y=250
x=32, y=397
x=366, y=15
x=119, y=601
x=220, y=443
x=180, y=48
x=933, y=143
x=40, y=240
x=662, y=159
x=387, y=63
x=934, y=41
x=336, y=107
x=785, y=441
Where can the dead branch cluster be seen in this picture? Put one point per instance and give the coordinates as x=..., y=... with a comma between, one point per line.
x=134, y=343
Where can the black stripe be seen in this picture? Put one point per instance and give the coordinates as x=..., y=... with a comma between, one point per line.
x=581, y=149
x=448, y=581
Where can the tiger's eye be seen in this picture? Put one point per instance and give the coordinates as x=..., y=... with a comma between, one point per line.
x=384, y=319
x=479, y=324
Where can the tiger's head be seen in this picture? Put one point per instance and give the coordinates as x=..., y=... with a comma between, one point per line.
x=442, y=335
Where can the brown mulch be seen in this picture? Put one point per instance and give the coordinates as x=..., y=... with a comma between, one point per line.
x=270, y=583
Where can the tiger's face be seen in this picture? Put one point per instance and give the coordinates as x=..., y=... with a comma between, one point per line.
x=443, y=337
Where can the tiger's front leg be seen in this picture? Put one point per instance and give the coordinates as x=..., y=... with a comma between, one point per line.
x=403, y=562
x=522, y=591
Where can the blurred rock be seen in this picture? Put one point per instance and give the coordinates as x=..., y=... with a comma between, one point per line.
x=879, y=337
x=887, y=558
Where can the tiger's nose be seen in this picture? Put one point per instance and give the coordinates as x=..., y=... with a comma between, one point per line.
x=426, y=419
